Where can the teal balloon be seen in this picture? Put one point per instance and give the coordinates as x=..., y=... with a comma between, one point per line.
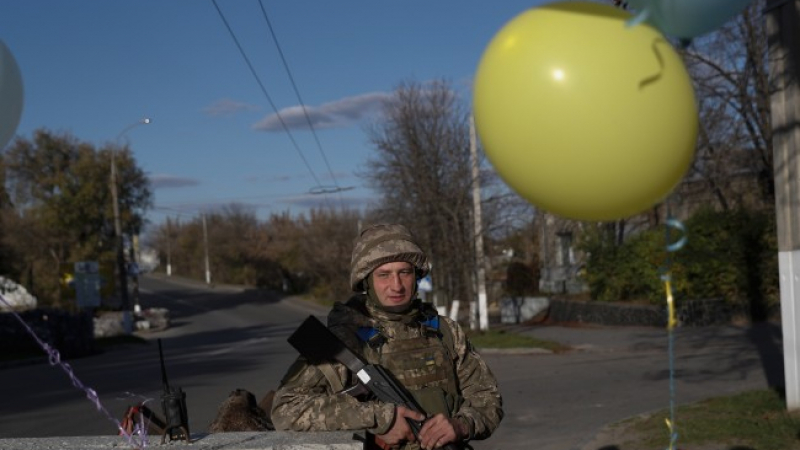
x=686, y=19
x=10, y=95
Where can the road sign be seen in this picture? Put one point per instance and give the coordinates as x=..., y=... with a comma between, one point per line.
x=87, y=284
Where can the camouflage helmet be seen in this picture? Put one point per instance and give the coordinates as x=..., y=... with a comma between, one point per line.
x=381, y=244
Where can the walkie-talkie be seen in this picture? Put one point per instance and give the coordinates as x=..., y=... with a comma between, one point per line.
x=173, y=402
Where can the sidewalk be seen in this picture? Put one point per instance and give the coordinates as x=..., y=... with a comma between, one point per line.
x=622, y=372
x=599, y=338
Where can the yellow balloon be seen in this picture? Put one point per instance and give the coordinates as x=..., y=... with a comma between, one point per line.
x=582, y=116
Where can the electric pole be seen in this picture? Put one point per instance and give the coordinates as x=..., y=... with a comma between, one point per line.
x=478, y=224
x=205, y=248
x=783, y=38
x=169, y=248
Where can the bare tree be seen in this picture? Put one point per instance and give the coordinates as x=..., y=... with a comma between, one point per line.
x=731, y=78
x=421, y=167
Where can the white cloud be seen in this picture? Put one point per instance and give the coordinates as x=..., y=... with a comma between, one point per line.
x=341, y=113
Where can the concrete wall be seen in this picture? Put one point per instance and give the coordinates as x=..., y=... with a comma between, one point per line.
x=69, y=333
x=522, y=309
x=690, y=313
x=270, y=440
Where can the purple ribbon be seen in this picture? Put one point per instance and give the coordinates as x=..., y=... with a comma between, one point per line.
x=55, y=360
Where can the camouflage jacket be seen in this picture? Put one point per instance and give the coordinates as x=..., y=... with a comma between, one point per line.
x=308, y=398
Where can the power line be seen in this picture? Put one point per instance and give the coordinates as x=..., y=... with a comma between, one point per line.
x=264, y=91
x=297, y=92
x=240, y=198
x=175, y=212
x=246, y=201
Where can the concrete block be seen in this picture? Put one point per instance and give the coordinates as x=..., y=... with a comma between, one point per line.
x=270, y=440
x=520, y=309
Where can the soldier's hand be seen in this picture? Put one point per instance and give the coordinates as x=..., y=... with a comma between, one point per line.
x=401, y=431
x=439, y=431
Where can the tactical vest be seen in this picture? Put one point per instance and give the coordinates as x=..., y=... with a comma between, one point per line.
x=424, y=363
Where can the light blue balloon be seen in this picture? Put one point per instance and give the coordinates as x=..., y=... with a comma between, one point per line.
x=686, y=19
x=10, y=95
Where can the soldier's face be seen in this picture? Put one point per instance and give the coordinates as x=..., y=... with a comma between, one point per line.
x=394, y=283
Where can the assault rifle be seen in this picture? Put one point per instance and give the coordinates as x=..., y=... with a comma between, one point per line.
x=173, y=402
x=318, y=344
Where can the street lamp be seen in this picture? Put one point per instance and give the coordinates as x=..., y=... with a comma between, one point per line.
x=121, y=270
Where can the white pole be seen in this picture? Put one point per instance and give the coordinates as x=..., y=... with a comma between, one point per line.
x=169, y=248
x=205, y=248
x=783, y=36
x=477, y=219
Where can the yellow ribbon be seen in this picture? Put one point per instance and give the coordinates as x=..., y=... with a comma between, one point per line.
x=673, y=437
x=672, y=320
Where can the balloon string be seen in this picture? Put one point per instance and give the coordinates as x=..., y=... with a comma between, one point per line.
x=673, y=434
x=638, y=19
x=677, y=245
x=54, y=358
x=672, y=321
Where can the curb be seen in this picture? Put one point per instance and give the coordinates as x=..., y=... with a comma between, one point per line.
x=514, y=351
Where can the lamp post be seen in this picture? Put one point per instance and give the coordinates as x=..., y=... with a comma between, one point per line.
x=121, y=270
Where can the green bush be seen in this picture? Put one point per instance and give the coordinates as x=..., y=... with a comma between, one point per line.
x=731, y=255
x=627, y=272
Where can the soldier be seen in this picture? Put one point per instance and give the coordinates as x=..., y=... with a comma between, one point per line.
x=388, y=325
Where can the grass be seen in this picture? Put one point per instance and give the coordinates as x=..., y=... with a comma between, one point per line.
x=752, y=420
x=508, y=339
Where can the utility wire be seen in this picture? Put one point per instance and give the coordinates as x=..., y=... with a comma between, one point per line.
x=246, y=201
x=176, y=212
x=264, y=91
x=297, y=93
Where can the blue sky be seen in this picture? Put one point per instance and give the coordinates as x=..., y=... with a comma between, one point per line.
x=94, y=67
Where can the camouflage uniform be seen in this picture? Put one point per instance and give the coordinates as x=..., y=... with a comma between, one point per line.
x=436, y=364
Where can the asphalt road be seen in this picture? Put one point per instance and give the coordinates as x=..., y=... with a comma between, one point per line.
x=221, y=339
x=226, y=338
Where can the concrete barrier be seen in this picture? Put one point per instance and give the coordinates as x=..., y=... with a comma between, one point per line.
x=69, y=333
x=269, y=440
x=521, y=309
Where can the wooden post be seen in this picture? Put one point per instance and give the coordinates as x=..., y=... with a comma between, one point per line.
x=783, y=38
